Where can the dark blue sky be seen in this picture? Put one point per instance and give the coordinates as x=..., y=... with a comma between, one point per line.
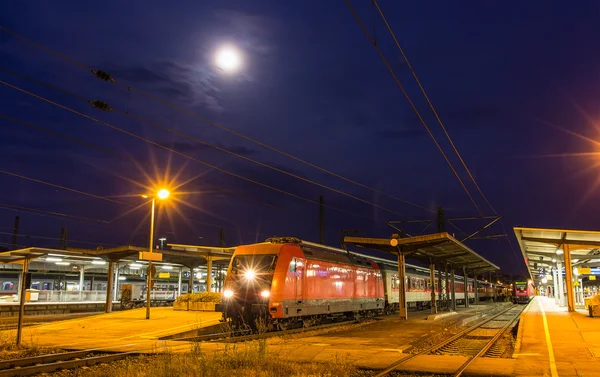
x=314, y=87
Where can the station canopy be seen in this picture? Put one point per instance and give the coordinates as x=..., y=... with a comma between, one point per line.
x=436, y=248
x=541, y=247
x=178, y=255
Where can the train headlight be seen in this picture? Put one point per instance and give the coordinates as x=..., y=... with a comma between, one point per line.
x=265, y=293
x=228, y=293
x=250, y=274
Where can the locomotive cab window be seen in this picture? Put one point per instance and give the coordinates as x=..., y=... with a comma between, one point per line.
x=293, y=265
x=257, y=262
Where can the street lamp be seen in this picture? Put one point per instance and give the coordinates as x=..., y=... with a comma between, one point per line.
x=162, y=194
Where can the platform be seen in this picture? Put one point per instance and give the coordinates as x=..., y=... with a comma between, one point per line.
x=120, y=331
x=553, y=342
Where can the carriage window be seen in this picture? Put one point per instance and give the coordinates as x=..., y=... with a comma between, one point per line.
x=395, y=282
x=293, y=265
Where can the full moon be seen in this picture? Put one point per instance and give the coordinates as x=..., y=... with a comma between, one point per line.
x=228, y=59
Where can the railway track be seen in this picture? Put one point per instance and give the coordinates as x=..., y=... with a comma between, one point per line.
x=475, y=341
x=228, y=337
x=53, y=362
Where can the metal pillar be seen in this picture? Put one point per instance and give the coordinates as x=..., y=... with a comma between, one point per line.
x=179, y=281
x=150, y=269
x=555, y=278
x=447, y=288
x=109, y=287
x=466, y=288
x=116, y=281
x=401, y=286
x=569, y=278
x=452, y=289
x=81, y=278
x=432, y=279
x=191, y=281
x=208, y=274
x=561, y=288
x=439, y=287
x=22, y=301
x=476, y=288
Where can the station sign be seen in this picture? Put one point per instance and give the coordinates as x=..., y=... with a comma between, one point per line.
x=154, y=257
x=164, y=275
x=584, y=270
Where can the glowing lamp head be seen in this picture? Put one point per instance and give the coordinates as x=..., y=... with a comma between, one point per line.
x=228, y=59
x=163, y=194
x=228, y=293
x=250, y=274
x=559, y=251
x=544, y=281
x=265, y=294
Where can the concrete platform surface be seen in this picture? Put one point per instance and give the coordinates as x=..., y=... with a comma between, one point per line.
x=120, y=331
x=377, y=345
x=553, y=342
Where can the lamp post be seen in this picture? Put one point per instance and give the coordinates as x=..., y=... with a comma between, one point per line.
x=161, y=195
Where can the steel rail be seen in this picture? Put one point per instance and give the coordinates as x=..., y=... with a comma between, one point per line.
x=54, y=362
x=435, y=347
x=488, y=345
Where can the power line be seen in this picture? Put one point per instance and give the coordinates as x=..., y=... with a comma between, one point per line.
x=51, y=213
x=62, y=187
x=54, y=238
x=113, y=153
x=202, y=142
x=431, y=106
x=104, y=76
x=358, y=19
x=177, y=152
x=464, y=164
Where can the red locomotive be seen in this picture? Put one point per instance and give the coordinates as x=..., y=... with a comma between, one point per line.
x=290, y=283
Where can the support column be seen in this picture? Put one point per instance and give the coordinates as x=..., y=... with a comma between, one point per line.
x=439, y=286
x=561, y=288
x=569, y=278
x=402, y=286
x=447, y=289
x=452, y=289
x=476, y=288
x=555, y=278
x=23, y=289
x=116, y=281
x=81, y=281
x=208, y=273
x=109, y=287
x=466, y=288
x=191, y=281
x=81, y=278
x=432, y=279
x=179, y=281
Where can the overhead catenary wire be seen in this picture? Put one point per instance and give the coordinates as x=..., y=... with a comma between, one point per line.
x=129, y=88
x=391, y=71
x=179, y=153
x=17, y=208
x=433, y=110
x=439, y=120
x=202, y=142
x=129, y=158
x=62, y=187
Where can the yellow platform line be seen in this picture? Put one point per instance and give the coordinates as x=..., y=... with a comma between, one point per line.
x=553, y=369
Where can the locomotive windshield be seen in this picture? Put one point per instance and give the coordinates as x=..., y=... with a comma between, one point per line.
x=256, y=262
x=521, y=287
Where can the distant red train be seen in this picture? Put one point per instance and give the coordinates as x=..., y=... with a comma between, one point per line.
x=522, y=292
x=291, y=283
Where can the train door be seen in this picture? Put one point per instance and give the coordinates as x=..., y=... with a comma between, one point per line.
x=299, y=262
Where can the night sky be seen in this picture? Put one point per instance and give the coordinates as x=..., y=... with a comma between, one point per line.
x=512, y=83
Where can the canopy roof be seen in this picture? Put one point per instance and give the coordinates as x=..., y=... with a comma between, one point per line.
x=539, y=247
x=436, y=248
